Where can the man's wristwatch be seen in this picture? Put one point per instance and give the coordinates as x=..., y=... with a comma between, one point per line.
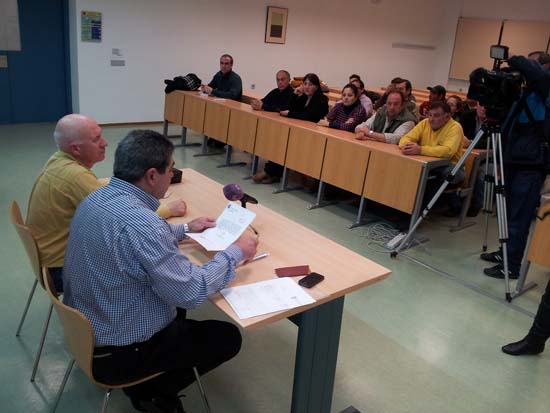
x=185, y=228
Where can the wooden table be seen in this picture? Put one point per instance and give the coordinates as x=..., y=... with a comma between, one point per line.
x=373, y=170
x=289, y=243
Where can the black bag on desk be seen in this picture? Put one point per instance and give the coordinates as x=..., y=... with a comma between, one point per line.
x=176, y=178
x=188, y=82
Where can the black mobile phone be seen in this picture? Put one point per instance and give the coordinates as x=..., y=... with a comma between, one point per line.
x=310, y=280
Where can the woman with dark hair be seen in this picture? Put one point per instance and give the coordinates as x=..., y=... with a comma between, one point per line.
x=348, y=113
x=308, y=101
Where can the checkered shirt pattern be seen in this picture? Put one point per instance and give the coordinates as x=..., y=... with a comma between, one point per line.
x=123, y=269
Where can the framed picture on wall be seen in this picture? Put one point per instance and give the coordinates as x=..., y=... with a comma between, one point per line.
x=275, y=27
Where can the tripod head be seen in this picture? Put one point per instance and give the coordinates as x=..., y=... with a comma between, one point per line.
x=491, y=125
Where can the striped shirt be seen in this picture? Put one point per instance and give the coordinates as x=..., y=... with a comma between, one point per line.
x=124, y=271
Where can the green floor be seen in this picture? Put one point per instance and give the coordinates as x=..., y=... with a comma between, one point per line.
x=416, y=342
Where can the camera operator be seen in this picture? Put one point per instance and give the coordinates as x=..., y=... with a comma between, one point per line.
x=525, y=132
x=526, y=159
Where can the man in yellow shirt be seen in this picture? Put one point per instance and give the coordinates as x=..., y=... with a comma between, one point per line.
x=439, y=136
x=66, y=180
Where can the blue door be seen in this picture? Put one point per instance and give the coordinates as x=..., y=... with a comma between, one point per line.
x=35, y=87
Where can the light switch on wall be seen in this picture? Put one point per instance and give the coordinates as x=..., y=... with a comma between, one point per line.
x=3, y=61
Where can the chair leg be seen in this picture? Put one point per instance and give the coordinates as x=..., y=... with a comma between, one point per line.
x=65, y=378
x=42, y=339
x=26, y=308
x=106, y=400
x=203, y=394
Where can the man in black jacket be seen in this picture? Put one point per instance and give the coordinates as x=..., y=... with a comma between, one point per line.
x=275, y=101
x=529, y=163
x=279, y=98
x=226, y=83
x=525, y=133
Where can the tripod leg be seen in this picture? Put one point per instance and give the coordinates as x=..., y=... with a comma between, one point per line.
x=448, y=179
x=501, y=209
x=488, y=193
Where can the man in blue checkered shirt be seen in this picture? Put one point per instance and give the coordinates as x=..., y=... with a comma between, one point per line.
x=125, y=273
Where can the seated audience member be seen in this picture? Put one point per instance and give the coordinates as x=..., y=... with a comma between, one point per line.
x=348, y=113
x=279, y=98
x=437, y=94
x=275, y=101
x=404, y=86
x=226, y=83
x=365, y=101
x=65, y=180
x=125, y=273
x=439, y=136
x=457, y=110
x=373, y=96
x=455, y=103
x=308, y=101
x=472, y=121
x=390, y=123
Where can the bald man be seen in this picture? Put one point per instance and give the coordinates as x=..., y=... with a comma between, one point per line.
x=65, y=180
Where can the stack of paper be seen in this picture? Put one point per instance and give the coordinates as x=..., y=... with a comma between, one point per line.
x=266, y=297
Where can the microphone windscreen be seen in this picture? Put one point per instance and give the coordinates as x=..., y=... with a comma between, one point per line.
x=233, y=192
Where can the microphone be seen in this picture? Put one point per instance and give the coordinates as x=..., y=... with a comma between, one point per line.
x=234, y=192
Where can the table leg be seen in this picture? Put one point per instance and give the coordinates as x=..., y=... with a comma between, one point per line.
x=228, y=154
x=359, y=220
x=419, y=197
x=321, y=202
x=284, y=183
x=183, y=142
x=204, y=149
x=316, y=356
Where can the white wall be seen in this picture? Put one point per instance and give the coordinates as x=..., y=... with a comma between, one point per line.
x=166, y=38
x=498, y=10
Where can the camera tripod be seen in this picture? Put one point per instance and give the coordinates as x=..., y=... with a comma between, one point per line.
x=493, y=184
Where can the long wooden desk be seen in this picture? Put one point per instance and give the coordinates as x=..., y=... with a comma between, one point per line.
x=289, y=243
x=373, y=170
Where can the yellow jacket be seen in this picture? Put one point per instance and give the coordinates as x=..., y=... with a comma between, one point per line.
x=446, y=142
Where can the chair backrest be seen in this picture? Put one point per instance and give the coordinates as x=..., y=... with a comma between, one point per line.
x=471, y=161
x=78, y=332
x=27, y=239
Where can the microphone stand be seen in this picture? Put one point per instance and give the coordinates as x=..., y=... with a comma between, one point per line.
x=243, y=204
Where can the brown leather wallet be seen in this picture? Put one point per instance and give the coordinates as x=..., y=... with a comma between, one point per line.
x=292, y=271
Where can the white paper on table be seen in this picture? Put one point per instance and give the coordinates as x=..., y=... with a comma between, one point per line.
x=232, y=222
x=266, y=297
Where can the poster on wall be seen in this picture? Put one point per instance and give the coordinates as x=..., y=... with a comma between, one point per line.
x=90, y=24
x=275, y=27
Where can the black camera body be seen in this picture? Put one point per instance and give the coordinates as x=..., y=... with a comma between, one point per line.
x=496, y=90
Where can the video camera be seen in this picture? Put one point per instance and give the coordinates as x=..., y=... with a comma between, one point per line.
x=496, y=89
